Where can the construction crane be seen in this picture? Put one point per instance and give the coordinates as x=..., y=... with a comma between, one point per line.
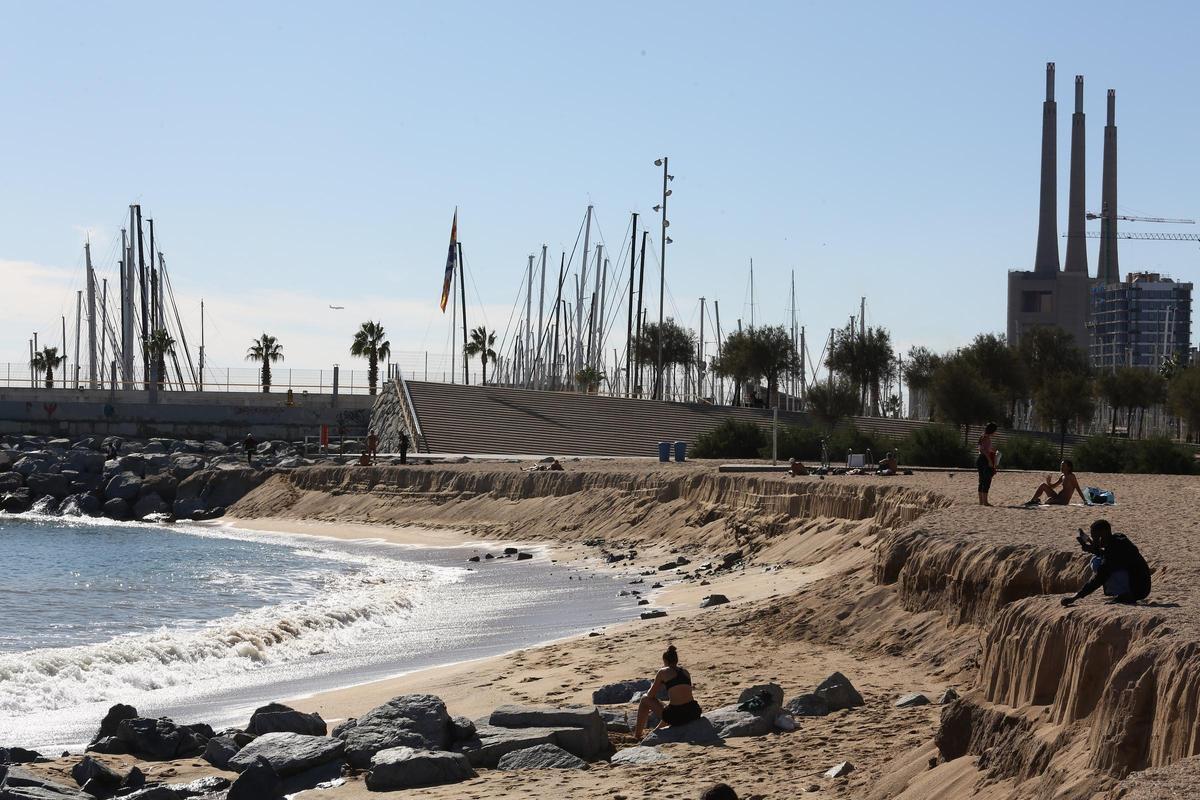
x=1162, y=237
x=1093, y=215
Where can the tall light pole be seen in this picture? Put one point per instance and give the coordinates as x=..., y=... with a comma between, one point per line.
x=662, y=274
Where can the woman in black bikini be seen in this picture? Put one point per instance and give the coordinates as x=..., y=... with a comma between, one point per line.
x=682, y=707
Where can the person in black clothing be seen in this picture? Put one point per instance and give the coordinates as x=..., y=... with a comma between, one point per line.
x=1117, y=564
x=681, y=707
x=403, y=447
x=248, y=445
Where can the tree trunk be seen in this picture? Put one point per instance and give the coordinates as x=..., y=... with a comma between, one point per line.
x=1114, y=421
x=483, y=372
x=266, y=375
x=1062, y=439
x=372, y=371
x=49, y=378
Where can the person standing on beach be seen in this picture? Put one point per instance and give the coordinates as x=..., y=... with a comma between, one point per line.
x=403, y=447
x=372, y=446
x=986, y=463
x=1117, y=565
x=248, y=445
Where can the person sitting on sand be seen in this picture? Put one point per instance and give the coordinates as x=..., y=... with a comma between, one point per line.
x=1058, y=493
x=888, y=465
x=682, y=707
x=719, y=791
x=1118, y=566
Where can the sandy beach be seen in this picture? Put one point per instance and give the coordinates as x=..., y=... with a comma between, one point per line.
x=902, y=584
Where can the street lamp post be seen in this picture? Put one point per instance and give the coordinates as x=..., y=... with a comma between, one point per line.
x=662, y=274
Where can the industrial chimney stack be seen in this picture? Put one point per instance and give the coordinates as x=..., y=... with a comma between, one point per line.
x=1109, y=271
x=1046, y=261
x=1077, y=209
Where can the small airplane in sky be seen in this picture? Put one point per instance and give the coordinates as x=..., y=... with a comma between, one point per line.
x=337, y=308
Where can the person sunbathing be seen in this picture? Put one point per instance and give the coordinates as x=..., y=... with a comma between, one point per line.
x=1059, y=492
x=682, y=707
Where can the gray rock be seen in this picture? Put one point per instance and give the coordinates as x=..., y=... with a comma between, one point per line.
x=912, y=700
x=21, y=784
x=10, y=481
x=159, y=791
x=159, y=739
x=840, y=770
x=701, y=732
x=948, y=696
x=116, y=508
x=33, y=464
x=163, y=485
x=183, y=465
x=150, y=504
x=86, y=461
x=491, y=743
x=108, y=745
x=124, y=486
x=103, y=778
x=406, y=768
x=18, y=755
x=463, y=728
x=288, y=753
x=276, y=717
x=637, y=756
x=205, y=785
x=134, y=464
x=838, y=692
x=17, y=501
x=417, y=721
x=731, y=723
x=655, y=614
x=55, y=485
x=714, y=600
x=541, y=756
x=219, y=750
x=582, y=730
x=807, y=705
x=6, y=461
x=620, y=692
x=621, y=720
x=258, y=781
x=134, y=779
x=774, y=690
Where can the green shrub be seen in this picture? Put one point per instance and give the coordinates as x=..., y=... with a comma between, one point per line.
x=1159, y=455
x=1101, y=454
x=731, y=439
x=934, y=446
x=1028, y=452
x=795, y=442
x=850, y=439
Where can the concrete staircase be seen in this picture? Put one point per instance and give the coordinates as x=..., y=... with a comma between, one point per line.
x=486, y=419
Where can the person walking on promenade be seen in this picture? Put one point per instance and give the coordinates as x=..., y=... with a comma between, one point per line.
x=986, y=463
x=1117, y=566
x=248, y=445
x=403, y=447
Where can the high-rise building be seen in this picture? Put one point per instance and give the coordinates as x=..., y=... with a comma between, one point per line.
x=1141, y=321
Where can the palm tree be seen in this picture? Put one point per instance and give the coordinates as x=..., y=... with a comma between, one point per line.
x=370, y=344
x=865, y=359
x=268, y=350
x=45, y=361
x=481, y=345
x=737, y=362
x=774, y=355
x=678, y=349
x=589, y=379
x=158, y=346
x=919, y=369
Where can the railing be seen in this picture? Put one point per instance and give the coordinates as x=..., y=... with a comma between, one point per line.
x=215, y=379
x=409, y=411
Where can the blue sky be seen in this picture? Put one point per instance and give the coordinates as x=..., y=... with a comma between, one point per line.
x=296, y=155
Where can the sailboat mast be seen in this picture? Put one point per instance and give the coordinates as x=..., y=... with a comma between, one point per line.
x=200, y=383
x=640, y=316
x=539, y=363
x=527, y=358
x=562, y=266
x=629, y=317
x=103, y=328
x=141, y=255
x=720, y=341
x=751, y=292
x=78, y=314
x=587, y=233
x=91, y=315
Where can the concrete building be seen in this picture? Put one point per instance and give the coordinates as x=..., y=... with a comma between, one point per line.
x=1141, y=321
x=1047, y=295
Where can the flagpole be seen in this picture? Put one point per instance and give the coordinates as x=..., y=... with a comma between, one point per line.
x=462, y=287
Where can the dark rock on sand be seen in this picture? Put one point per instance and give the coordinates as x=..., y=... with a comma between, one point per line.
x=912, y=700
x=701, y=732
x=116, y=508
x=21, y=784
x=125, y=486
x=541, y=756
x=288, y=753
x=18, y=755
x=276, y=717
x=655, y=614
x=112, y=720
x=730, y=723
x=149, y=504
x=463, y=728
x=415, y=720
x=840, y=770
x=714, y=600
x=135, y=779
x=159, y=739
x=524, y=556
x=838, y=692
x=201, y=786
x=405, y=768
x=581, y=729
x=96, y=778
x=258, y=781
x=773, y=690
x=220, y=749
x=620, y=692
x=807, y=705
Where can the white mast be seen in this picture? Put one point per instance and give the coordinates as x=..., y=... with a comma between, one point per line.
x=587, y=233
x=127, y=289
x=78, y=312
x=541, y=317
x=200, y=387
x=91, y=315
x=528, y=356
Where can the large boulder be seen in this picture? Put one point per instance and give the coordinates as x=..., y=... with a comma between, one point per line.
x=96, y=777
x=116, y=508
x=701, y=732
x=134, y=463
x=220, y=749
x=19, y=783
x=838, y=693
x=32, y=464
x=123, y=486
x=162, y=485
x=6, y=460
x=583, y=731
x=159, y=739
x=288, y=753
x=258, y=781
x=418, y=721
x=86, y=461
x=490, y=743
x=17, y=501
x=10, y=481
x=184, y=465
x=638, y=756
x=148, y=505
x=18, y=755
x=221, y=487
x=807, y=705
x=406, y=768
x=773, y=693
x=541, y=756
x=731, y=723
x=54, y=484
x=112, y=720
x=276, y=717
x=620, y=692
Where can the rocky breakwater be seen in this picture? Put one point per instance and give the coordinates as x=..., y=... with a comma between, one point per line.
x=155, y=480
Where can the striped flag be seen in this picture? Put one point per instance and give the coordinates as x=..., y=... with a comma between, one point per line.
x=450, y=261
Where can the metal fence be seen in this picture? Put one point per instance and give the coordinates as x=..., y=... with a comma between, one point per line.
x=215, y=379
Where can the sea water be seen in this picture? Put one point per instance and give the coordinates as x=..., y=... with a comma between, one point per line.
x=203, y=623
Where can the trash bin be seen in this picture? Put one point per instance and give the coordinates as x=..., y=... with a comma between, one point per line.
x=664, y=451
x=681, y=451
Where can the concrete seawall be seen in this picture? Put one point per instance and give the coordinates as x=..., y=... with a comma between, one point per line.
x=195, y=415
